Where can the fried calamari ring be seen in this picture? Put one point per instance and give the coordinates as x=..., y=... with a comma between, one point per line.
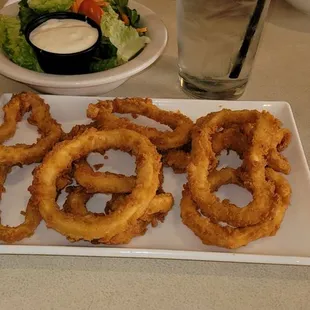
x=32, y=215
x=254, y=163
x=282, y=138
x=158, y=209
x=31, y=222
x=102, y=182
x=239, y=138
x=24, y=230
x=22, y=154
x=105, y=182
x=95, y=181
x=77, y=130
x=283, y=135
x=177, y=160
x=76, y=200
x=13, y=113
x=40, y=116
x=212, y=233
x=229, y=138
x=181, y=125
x=91, y=227
x=4, y=171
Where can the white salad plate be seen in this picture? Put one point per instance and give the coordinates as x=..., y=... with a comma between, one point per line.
x=171, y=239
x=302, y=5
x=93, y=83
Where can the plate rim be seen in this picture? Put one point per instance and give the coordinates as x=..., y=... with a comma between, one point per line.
x=89, y=251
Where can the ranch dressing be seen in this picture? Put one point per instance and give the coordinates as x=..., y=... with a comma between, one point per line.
x=64, y=36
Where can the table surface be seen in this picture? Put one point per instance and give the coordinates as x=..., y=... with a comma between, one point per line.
x=281, y=72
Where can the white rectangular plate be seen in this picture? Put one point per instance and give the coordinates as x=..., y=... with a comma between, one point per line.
x=170, y=239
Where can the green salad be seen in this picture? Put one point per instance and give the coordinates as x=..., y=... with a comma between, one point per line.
x=123, y=37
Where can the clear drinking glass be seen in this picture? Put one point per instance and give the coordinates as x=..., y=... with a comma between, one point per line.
x=217, y=43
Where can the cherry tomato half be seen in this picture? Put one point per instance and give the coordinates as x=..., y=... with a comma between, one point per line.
x=92, y=10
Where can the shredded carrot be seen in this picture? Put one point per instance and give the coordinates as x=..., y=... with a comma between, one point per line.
x=142, y=30
x=125, y=19
x=76, y=5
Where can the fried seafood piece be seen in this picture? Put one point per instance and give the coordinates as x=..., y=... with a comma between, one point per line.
x=239, y=140
x=181, y=125
x=282, y=138
x=159, y=207
x=96, y=181
x=48, y=128
x=22, y=154
x=239, y=137
x=177, y=160
x=32, y=215
x=134, y=205
x=4, y=171
x=102, y=182
x=77, y=130
x=203, y=160
x=229, y=139
x=213, y=233
x=26, y=229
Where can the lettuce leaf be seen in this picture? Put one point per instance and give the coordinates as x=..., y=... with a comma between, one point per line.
x=125, y=38
x=2, y=29
x=50, y=6
x=105, y=49
x=25, y=14
x=121, y=6
x=98, y=65
x=14, y=44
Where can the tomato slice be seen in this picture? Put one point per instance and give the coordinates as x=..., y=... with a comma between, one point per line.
x=92, y=10
x=102, y=3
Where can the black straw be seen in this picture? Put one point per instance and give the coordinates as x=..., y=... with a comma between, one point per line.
x=247, y=39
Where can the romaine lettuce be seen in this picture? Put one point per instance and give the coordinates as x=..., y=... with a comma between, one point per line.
x=98, y=65
x=25, y=14
x=14, y=44
x=125, y=38
x=50, y=6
